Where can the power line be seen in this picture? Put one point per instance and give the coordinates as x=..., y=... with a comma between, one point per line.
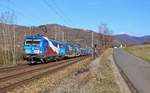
x=56, y=11
x=28, y=17
x=60, y=10
x=15, y=11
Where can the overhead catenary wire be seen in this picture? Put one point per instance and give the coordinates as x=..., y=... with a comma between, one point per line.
x=61, y=11
x=56, y=11
x=15, y=11
x=27, y=17
x=19, y=12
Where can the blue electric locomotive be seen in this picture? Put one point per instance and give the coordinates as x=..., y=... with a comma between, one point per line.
x=40, y=49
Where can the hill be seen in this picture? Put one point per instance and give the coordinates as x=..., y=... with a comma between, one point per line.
x=54, y=31
x=132, y=40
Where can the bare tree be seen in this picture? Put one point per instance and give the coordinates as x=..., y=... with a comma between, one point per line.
x=7, y=37
x=105, y=36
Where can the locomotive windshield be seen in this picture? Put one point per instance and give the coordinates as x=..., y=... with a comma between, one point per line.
x=32, y=42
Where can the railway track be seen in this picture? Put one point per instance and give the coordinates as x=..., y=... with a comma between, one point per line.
x=124, y=76
x=11, y=79
x=6, y=69
x=25, y=69
x=23, y=66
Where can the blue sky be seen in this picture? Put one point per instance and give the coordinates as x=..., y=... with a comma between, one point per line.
x=121, y=16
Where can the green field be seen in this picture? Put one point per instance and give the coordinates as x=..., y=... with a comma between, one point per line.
x=142, y=51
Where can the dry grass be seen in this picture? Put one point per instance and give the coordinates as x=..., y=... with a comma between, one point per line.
x=45, y=83
x=142, y=51
x=106, y=82
x=101, y=80
x=6, y=57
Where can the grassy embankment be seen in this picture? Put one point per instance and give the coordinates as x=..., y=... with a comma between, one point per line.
x=142, y=51
x=106, y=82
x=101, y=78
x=48, y=81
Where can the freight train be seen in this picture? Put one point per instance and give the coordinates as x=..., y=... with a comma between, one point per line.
x=40, y=49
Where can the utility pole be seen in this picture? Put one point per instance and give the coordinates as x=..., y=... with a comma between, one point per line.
x=14, y=43
x=63, y=36
x=25, y=33
x=93, y=45
x=30, y=30
x=92, y=40
x=55, y=33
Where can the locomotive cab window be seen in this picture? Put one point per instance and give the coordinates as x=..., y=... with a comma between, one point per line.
x=35, y=42
x=32, y=42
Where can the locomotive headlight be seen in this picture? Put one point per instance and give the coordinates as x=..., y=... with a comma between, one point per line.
x=37, y=51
